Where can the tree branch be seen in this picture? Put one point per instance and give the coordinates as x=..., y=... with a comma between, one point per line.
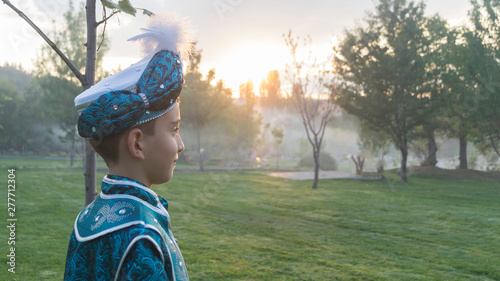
x=301, y=105
x=324, y=122
x=106, y=18
x=68, y=62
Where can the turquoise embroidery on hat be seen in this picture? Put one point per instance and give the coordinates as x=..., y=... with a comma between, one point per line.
x=113, y=112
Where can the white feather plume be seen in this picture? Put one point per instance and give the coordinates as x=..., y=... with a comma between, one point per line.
x=166, y=31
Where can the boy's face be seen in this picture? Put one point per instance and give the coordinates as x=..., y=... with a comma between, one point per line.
x=162, y=149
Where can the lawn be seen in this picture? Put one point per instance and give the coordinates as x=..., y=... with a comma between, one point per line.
x=249, y=226
x=62, y=161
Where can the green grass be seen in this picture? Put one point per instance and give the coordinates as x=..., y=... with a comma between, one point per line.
x=43, y=161
x=249, y=226
x=56, y=162
x=64, y=162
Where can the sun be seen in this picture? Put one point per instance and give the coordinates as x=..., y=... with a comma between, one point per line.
x=237, y=63
x=243, y=62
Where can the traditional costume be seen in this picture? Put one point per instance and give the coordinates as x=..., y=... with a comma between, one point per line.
x=125, y=233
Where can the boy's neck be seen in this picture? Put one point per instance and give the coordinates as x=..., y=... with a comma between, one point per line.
x=134, y=174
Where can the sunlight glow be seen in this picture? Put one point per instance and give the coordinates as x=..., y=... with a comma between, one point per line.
x=247, y=62
x=253, y=62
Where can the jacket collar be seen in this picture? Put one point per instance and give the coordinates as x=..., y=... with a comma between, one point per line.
x=112, y=184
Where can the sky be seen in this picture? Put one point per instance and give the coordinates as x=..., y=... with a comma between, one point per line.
x=241, y=39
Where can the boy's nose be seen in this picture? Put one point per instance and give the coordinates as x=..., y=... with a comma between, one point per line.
x=180, y=144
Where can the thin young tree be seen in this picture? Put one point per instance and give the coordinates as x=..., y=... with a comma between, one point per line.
x=311, y=98
x=87, y=79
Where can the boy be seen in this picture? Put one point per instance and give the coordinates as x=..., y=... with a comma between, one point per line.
x=132, y=120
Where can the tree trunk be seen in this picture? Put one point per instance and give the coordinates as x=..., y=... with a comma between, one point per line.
x=359, y=164
x=72, y=152
x=316, y=167
x=277, y=156
x=431, y=159
x=463, y=152
x=361, y=161
x=90, y=155
x=355, y=163
x=89, y=173
x=404, y=159
x=200, y=157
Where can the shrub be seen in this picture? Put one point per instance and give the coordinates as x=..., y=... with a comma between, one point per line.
x=326, y=162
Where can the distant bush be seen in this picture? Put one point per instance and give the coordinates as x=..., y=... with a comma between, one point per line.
x=326, y=162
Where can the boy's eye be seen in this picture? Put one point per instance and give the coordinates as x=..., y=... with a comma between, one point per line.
x=176, y=130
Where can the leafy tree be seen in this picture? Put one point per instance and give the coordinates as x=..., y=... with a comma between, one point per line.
x=427, y=133
x=310, y=97
x=483, y=40
x=460, y=91
x=248, y=119
x=385, y=70
x=246, y=92
x=8, y=106
x=373, y=141
x=17, y=75
x=18, y=118
x=270, y=89
x=208, y=109
x=436, y=67
x=201, y=102
x=241, y=125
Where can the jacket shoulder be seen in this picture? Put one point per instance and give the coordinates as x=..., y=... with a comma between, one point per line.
x=105, y=216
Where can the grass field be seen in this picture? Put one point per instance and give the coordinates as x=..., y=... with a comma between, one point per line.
x=249, y=226
x=34, y=161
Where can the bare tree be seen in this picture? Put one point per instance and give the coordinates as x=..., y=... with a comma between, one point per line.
x=88, y=78
x=360, y=162
x=312, y=99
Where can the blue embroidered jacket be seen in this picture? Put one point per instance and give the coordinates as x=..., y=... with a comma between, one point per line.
x=124, y=234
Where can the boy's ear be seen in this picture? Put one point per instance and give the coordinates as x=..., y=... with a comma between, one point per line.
x=135, y=143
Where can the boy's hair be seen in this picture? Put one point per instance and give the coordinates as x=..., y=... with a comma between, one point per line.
x=107, y=147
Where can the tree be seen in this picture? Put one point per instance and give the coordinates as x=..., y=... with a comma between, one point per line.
x=427, y=133
x=17, y=75
x=460, y=88
x=384, y=67
x=270, y=89
x=8, y=96
x=18, y=118
x=372, y=140
x=246, y=92
x=310, y=97
x=483, y=39
x=201, y=102
x=247, y=116
x=435, y=55
x=87, y=79
x=277, y=133
x=57, y=85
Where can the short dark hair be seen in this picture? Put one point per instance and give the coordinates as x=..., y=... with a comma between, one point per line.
x=107, y=147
